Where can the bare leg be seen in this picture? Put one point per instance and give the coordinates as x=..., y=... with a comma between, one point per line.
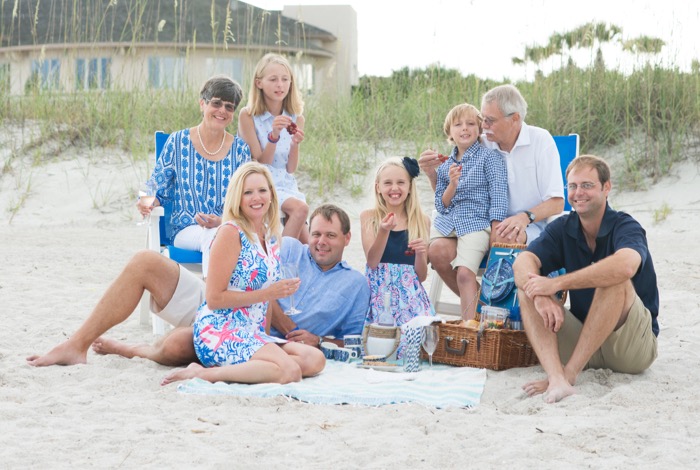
x=311, y=360
x=441, y=252
x=608, y=312
x=147, y=270
x=270, y=364
x=468, y=287
x=175, y=349
x=297, y=211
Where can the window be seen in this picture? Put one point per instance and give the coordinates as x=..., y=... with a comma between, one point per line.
x=166, y=72
x=230, y=67
x=304, y=74
x=45, y=74
x=91, y=74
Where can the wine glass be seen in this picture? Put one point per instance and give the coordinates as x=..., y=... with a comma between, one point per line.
x=430, y=340
x=290, y=271
x=147, y=194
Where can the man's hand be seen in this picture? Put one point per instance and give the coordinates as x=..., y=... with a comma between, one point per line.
x=551, y=312
x=513, y=228
x=540, y=285
x=303, y=337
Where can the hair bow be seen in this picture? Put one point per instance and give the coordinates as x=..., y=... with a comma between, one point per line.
x=411, y=165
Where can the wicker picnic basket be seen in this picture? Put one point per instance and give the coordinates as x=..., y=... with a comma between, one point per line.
x=496, y=349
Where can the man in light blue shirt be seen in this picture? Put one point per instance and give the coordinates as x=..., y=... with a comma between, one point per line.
x=333, y=297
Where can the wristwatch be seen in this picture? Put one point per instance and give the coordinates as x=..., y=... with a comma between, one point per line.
x=531, y=216
x=320, y=340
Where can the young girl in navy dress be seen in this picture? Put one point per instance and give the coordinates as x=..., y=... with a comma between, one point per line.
x=230, y=334
x=395, y=239
x=273, y=127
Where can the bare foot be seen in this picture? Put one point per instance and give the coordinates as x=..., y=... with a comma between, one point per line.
x=558, y=390
x=65, y=354
x=104, y=345
x=536, y=387
x=189, y=372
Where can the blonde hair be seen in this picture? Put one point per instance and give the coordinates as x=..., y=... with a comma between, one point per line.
x=462, y=111
x=417, y=225
x=234, y=195
x=292, y=103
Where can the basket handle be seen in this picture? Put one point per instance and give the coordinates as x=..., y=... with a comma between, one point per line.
x=462, y=349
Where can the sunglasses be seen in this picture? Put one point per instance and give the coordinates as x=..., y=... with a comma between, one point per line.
x=216, y=103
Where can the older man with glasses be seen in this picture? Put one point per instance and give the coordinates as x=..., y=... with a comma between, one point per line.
x=535, y=186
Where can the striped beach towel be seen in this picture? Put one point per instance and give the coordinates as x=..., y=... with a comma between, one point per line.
x=343, y=383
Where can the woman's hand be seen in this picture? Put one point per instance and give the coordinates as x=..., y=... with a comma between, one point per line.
x=283, y=288
x=145, y=209
x=207, y=220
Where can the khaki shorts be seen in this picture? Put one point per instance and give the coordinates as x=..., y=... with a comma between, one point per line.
x=471, y=247
x=188, y=296
x=630, y=350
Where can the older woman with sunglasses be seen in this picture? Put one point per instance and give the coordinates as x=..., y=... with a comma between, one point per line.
x=195, y=166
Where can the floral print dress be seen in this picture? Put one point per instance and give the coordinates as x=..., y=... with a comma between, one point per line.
x=232, y=335
x=397, y=275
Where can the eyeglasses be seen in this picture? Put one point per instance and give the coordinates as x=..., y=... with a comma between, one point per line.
x=490, y=121
x=585, y=186
x=216, y=103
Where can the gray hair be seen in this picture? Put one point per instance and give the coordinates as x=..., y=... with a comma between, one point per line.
x=508, y=99
x=222, y=87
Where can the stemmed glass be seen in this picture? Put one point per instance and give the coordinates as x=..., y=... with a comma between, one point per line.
x=147, y=194
x=430, y=341
x=290, y=271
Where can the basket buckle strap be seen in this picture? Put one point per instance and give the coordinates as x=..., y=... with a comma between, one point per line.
x=458, y=351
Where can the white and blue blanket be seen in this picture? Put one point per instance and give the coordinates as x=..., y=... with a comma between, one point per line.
x=344, y=383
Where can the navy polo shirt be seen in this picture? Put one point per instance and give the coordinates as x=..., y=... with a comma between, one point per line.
x=562, y=245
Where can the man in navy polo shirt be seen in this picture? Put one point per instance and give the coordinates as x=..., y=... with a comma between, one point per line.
x=611, y=281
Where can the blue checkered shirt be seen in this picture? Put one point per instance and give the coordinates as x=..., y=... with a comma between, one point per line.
x=481, y=196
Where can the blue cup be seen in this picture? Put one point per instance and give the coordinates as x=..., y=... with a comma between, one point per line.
x=352, y=340
x=358, y=350
x=328, y=349
x=344, y=354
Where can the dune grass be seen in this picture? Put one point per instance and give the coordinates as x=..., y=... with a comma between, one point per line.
x=653, y=111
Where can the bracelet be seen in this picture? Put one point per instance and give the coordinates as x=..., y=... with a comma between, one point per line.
x=271, y=139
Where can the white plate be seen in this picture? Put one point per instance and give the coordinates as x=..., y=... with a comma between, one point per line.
x=381, y=368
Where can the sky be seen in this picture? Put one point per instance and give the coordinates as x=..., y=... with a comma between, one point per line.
x=481, y=36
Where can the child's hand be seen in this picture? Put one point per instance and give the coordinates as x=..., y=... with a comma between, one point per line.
x=418, y=246
x=298, y=136
x=389, y=222
x=455, y=173
x=280, y=122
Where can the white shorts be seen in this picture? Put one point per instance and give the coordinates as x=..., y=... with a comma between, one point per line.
x=188, y=296
x=471, y=247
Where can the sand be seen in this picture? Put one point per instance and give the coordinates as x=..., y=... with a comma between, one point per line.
x=76, y=229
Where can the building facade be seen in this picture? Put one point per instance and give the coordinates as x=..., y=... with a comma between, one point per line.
x=71, y=45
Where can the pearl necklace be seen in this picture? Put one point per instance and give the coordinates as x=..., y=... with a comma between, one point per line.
x=205, y=149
